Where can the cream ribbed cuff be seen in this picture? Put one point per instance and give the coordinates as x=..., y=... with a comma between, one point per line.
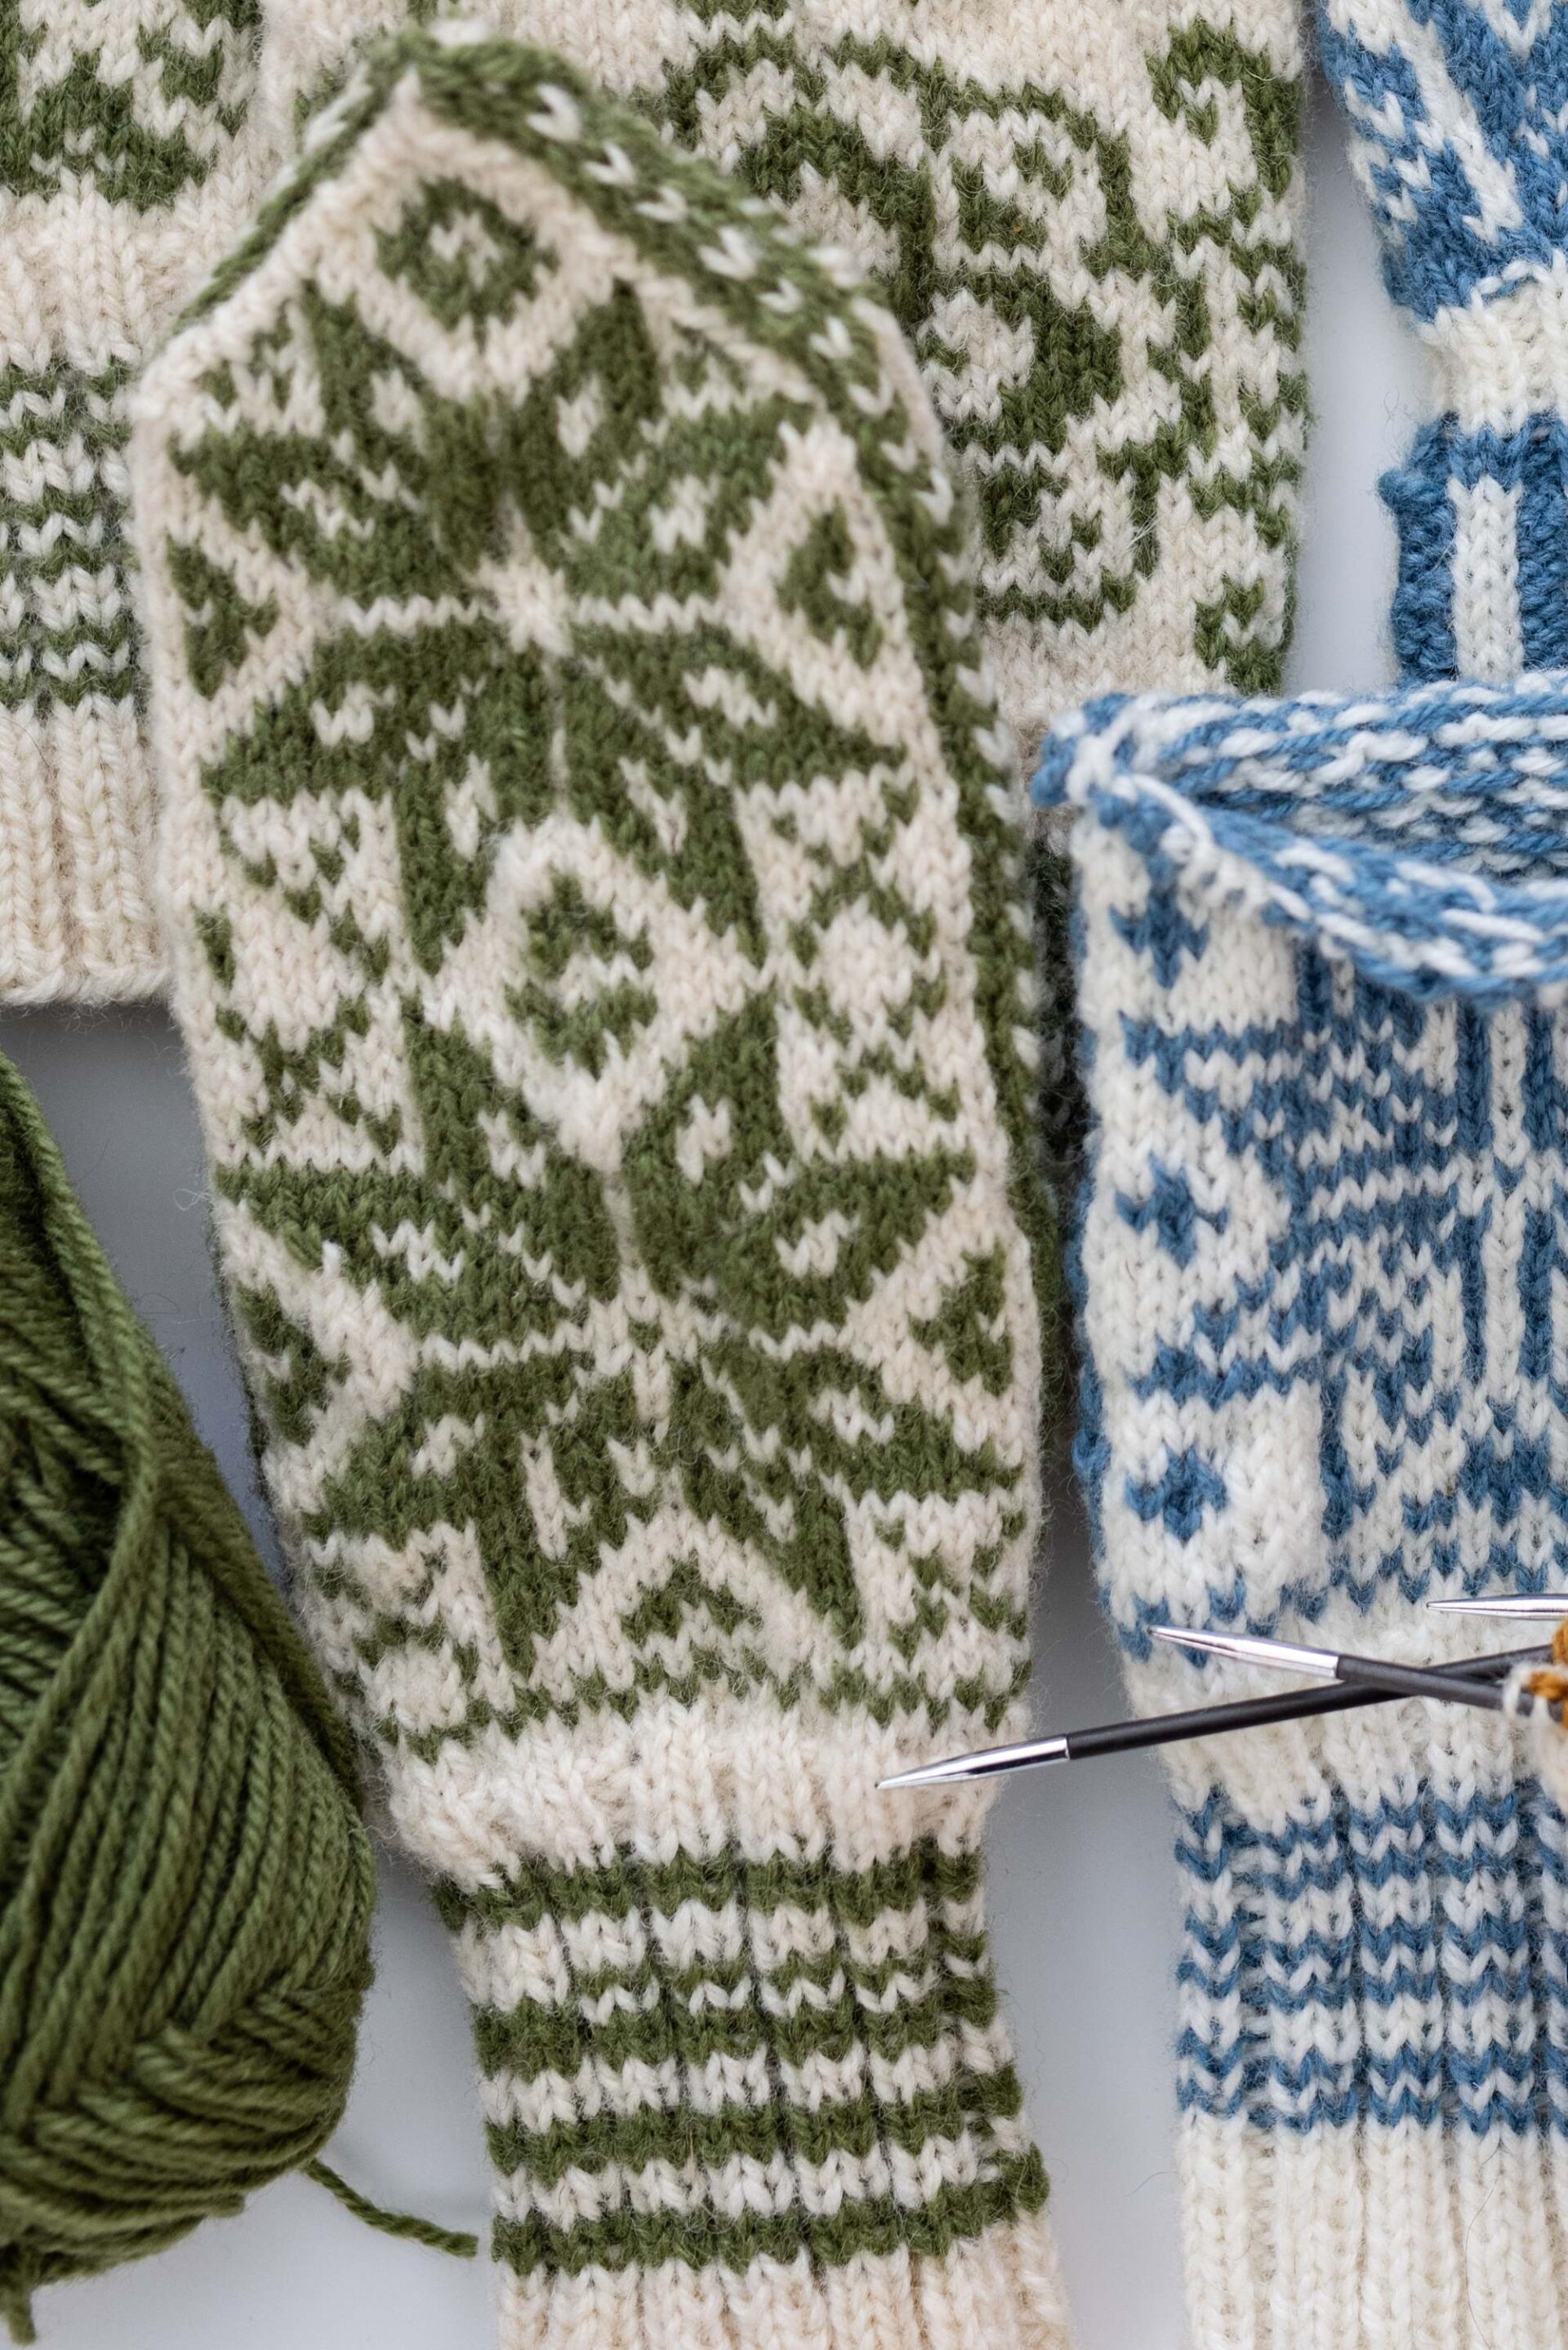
x=76, y=829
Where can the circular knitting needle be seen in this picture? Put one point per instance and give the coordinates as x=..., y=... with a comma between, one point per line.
x=1333, y=1665
x=1171, y=1729
x=1520, y=1608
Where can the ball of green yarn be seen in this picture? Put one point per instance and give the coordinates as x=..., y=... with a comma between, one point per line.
x=185, y=1886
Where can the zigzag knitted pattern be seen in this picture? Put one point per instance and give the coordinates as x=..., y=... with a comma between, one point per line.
x=592, y=865
x=1323, y=1273
x=1085, y=218
x=122, y=178
x=1458, y=120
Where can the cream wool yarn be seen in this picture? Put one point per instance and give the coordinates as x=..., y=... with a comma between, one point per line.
x=125, y=172
x=1458, y=117
x=1323, y=959
x=590, y=853
x=1321, y=1284
x=1083, y=215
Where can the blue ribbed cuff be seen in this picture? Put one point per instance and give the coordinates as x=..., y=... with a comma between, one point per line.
x=1482, y=520
x=1398, y=1961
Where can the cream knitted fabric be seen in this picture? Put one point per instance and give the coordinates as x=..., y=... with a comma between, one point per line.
x=124, y=173
x=1323, y=961
x=1458, y=115
x=592, y=881
x=1084, y=216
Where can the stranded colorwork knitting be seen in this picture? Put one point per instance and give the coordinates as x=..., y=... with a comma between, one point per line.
x=1323, y=1265
x=1458, y=121
x=123, y=177
x=591, y=857
x=1084, y=217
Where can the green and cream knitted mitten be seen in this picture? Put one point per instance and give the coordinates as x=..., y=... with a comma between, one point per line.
x=590, y=857
x=128, y=167
x=1082, y=214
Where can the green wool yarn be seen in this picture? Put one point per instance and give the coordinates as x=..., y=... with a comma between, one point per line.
x=185, y=1885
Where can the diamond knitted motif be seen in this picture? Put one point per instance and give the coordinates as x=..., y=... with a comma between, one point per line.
x=1459, y=121
x=1323, y=1271
x=1085, y=218
x=591, y=856
x=125, y=172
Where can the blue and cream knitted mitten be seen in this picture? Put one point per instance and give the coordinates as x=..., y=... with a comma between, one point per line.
x=591, y=859
x=1324, y=1273
x=1458, y=120
x=1084, y=216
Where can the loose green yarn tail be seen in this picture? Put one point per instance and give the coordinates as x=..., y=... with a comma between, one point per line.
x=406, y=2225
x=185, y=1885
x=17, y=2303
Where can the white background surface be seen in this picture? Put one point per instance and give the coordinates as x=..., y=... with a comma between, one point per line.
x=1083, y=1886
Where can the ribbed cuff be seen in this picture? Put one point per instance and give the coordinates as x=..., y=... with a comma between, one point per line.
x=77, y=922
x=1482, y=520
x=1372, y=2238
x=1374, y=2046
x=1481, y=502
x=85, y=283
x=708, y=2082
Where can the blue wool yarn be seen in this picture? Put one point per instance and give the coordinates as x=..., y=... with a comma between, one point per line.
x=1320, y=1268
x=1457, y=114
x=1322, y=1275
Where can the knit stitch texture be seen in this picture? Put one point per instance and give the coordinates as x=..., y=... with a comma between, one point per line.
x=185, y=1886
x=1323, y=1268
x=592, y=872
x=125, y=172
x=1459, y=121
x=1085, y=218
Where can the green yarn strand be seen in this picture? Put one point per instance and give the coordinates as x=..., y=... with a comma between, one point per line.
x=185, y=1885
x=405, y=2224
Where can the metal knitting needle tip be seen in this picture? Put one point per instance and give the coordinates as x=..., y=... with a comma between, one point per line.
x=1527, y=1607
x=984, y=1763
x=1207, y=1722
x=1252, y=1649
x=1335, y=1665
